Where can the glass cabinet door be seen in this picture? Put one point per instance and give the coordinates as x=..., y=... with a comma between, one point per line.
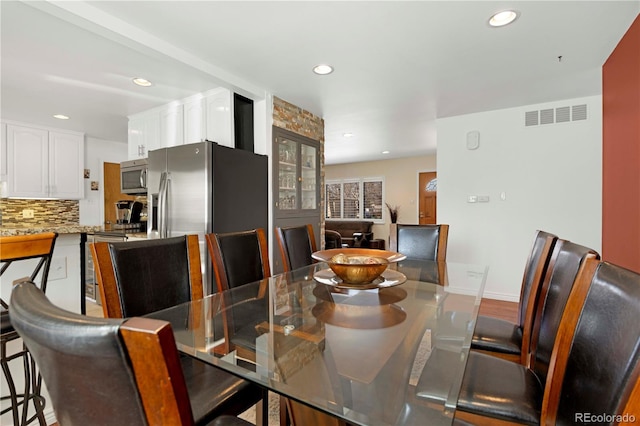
x=298, y=163
x=308, y=161
x=287, y=174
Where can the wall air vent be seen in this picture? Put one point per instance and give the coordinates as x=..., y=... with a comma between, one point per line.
x=579, y=112
x=563, y=114
x=546, y=116
x=531, y=118
x=558, y=115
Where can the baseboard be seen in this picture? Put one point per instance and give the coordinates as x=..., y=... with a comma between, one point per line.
x=50, y=415
x=501, y=296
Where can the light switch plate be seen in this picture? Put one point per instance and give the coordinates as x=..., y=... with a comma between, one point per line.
x=473, y=139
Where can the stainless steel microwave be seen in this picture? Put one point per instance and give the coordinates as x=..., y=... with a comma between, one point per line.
x=133, y=176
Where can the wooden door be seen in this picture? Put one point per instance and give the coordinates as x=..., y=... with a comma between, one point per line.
x=112, y=191
x=428, y=195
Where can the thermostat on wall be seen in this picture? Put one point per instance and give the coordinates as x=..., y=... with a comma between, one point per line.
x=473, y=139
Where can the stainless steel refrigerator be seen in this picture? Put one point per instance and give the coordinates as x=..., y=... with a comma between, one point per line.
x=205, y=187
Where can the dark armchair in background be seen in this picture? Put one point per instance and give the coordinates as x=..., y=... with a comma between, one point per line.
x=332, y=239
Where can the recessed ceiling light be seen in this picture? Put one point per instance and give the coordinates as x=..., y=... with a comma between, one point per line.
x=142, y=82
x=323, y=69
x=347, y=135
x=503, y=18
x=385, y=152
x=61, y=117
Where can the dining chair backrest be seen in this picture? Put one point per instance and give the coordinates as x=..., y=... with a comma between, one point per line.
x=566, y=259
x=139, y=277
x=297, y=244
x=597, y=354
x=102, y=371
x=537, y=255
x=239, y=257
x=421, y=242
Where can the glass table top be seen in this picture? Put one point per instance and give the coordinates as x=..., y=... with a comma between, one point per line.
x=359, y=355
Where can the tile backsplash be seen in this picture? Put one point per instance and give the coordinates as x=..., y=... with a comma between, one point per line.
x=45, y=212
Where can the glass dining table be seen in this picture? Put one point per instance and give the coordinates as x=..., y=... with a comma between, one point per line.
x=358, y=355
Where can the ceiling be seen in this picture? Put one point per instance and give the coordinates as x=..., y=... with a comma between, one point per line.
x=398, y=65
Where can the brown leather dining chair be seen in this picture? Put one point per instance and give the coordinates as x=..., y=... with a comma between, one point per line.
x=594, y=368
x=509, y=340
x=296, y=244
x=37, y=249
x=497, y=388
x=239, y=257
x=420, y=242
x=139, y=277
x=133, y=365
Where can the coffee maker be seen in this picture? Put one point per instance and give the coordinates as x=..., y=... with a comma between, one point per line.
x=128, y=214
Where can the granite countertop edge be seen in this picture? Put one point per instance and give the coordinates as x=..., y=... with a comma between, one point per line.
x=6, y=231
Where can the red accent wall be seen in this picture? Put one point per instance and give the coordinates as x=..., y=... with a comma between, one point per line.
x=621, y=152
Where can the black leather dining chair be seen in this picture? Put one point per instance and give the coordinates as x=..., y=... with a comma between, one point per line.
x=139, y=277
x=38, y=249
x=508, y=340
x=594, y=368
x=106, y=371
x=494, y=387
x=239, y=257
x=420, y=242
x=296, y=244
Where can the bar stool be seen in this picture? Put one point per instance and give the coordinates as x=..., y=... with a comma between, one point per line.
x=12, y=249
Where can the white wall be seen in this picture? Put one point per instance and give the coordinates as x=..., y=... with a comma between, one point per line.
x=97, y=152
x=550, y=174
x=400, y=185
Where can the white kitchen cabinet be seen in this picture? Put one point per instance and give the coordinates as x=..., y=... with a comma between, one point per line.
x=194, y=127
x=66, y=165
x=171, y=126
x=44, y=164
x=143, y=134
x=219, y=122
x=204, y=116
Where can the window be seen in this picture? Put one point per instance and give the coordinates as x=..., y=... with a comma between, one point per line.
x=354, y=199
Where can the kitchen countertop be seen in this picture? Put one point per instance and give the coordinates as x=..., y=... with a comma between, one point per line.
x=60, y=229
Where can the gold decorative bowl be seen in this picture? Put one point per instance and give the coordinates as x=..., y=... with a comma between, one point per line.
x=359, y=272
x=350, y=266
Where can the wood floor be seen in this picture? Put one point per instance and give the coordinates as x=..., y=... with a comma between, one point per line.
x=499, y=309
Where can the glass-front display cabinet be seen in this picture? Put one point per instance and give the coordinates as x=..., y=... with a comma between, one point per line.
x=298, y=174
x=296, y=184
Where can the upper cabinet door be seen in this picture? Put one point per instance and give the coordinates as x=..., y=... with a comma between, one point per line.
x=171, y=126
x=218, y=112
x=194, y=128
x=27, y=162
x=144, y=134
x=66, y=165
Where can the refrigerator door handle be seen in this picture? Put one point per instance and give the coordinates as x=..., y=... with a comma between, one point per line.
x=167, y=201
x=161, y=202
